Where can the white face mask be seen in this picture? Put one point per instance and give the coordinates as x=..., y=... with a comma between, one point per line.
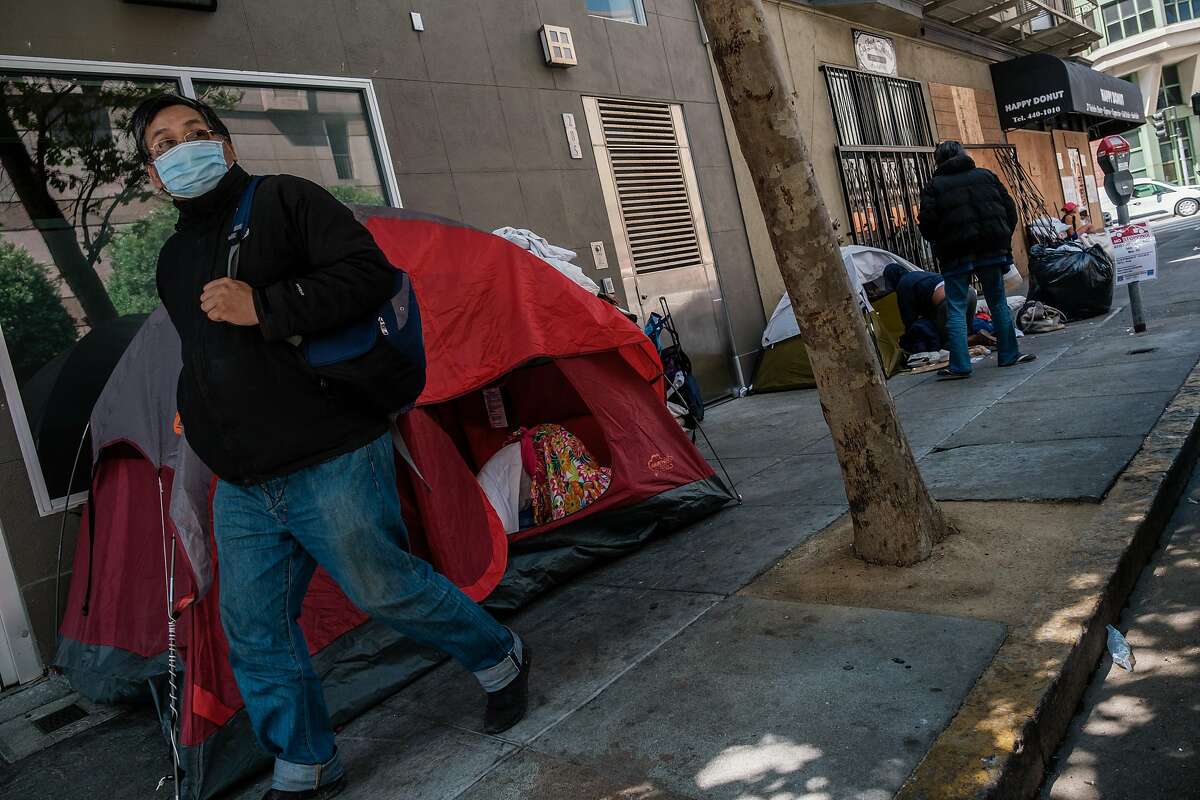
x=193, y=168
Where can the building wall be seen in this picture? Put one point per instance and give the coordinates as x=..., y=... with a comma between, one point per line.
x=1142, y=57
x=810, y=39
x=472, y=118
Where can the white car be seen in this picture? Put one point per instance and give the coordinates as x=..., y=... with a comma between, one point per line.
x=1156, y=198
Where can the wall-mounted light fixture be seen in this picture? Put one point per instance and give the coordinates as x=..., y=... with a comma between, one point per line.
x=557, y=46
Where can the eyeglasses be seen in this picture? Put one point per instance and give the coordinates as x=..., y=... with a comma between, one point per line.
x=159, y=148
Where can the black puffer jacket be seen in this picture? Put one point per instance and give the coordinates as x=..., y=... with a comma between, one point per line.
x=966, y=212
x=251, y=408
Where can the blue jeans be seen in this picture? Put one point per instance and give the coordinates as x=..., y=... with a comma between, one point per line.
x=957, y=287
x=343, y=514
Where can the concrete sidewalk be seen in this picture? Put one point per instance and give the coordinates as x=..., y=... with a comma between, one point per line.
x=656, y=679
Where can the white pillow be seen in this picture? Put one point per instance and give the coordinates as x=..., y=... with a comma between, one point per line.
x=500, y=480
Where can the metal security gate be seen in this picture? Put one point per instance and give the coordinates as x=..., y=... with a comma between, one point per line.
x=885, y=156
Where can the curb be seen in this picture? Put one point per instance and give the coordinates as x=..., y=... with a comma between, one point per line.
x=999, y=743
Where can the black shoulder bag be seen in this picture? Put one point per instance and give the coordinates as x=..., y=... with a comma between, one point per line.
x=381, y=357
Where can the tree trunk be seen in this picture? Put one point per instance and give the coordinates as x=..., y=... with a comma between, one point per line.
x=895, y=520
x=48, y=218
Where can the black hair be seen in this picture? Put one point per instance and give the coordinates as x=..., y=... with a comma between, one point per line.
x=947, y=150
x=149, y=108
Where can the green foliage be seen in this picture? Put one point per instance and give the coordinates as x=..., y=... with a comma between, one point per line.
x=356, y=194
x=77, y=134
x=134, y=255
x=36, y=325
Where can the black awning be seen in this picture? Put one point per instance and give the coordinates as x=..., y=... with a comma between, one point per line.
x=1032, y=89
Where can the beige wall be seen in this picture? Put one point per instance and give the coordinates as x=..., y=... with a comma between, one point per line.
x=810, y=39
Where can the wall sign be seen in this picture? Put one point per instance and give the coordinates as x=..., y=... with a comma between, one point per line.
x=572, y=132
x=875, y=53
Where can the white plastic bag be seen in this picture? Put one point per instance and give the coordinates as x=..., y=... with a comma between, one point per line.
x=1013, y=281
x=1118, y=648
x=558, y=257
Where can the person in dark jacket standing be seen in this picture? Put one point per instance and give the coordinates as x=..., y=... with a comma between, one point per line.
x=969, y=218
x=306, y=471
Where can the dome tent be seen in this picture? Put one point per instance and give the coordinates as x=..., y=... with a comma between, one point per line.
x=785, y=366
x=494, y=317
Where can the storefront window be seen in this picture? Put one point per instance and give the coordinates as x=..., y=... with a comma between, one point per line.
x=620, y=10
x=79, y=224
x=1170, y=92
x=320, y=134
x=1181, y=10
x=1127, y=18
x=81, y=227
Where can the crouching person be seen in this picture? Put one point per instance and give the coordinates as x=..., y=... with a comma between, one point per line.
x=307, y=475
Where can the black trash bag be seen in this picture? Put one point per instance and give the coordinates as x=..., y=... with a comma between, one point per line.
x=1075, y=279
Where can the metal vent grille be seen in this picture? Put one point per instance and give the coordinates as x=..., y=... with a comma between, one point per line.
x=644, y=151
x=59, y=719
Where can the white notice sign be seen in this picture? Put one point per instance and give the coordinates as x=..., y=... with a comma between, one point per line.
x=1093, y=195
x=1070, y=190
x=1136, y=259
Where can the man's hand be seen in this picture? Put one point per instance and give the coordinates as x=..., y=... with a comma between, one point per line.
x=227, y=300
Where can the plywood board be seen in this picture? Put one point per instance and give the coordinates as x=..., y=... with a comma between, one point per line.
x=967, y=113
x=1035, y=152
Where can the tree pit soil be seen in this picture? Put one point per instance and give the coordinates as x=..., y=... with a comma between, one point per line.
x=1002, y=559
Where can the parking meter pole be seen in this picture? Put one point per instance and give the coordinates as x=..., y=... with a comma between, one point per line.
x=1113, y=157
x=1135, y=288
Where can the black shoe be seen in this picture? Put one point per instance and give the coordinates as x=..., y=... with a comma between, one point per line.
x=507, y=706
x=320, y=793
x=1024, y=358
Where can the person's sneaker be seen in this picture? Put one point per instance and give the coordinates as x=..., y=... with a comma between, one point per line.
x=320, y=793
x=507, y=706
x=1024, y=358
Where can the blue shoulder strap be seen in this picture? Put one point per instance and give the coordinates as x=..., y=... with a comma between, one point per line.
x=241, y=225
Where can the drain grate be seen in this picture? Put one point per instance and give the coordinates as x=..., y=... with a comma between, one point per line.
x=60, y=719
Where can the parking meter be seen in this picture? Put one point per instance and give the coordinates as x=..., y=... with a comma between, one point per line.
x=1113, y=155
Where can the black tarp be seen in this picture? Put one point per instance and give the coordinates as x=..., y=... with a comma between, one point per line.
x=1034, y=89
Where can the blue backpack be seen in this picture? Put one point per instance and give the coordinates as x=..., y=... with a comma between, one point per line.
x=381, y=357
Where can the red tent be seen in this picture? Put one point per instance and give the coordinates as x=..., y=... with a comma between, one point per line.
x=494, y=317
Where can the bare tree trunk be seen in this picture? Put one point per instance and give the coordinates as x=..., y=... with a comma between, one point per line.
x=895, y=520
x=52, y=224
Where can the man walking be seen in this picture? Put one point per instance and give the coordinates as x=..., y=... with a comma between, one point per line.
x=969, y=218
x=306, y=470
